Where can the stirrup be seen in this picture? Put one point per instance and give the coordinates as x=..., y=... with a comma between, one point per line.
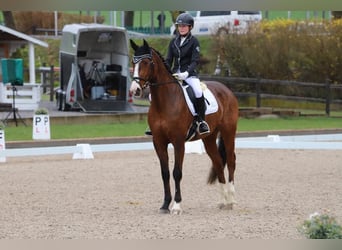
x=203, y=128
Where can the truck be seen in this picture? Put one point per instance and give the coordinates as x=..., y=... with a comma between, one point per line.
x=94, y=69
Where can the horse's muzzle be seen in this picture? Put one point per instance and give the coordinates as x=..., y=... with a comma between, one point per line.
x=134, y=87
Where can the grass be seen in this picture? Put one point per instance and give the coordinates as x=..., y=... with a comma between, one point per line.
x=77, y=131
x=291, y=123
x=321, y=227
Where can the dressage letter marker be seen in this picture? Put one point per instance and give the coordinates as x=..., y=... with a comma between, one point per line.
x=41, y=127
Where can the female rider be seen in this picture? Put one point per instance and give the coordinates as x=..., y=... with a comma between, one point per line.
x=183, y=57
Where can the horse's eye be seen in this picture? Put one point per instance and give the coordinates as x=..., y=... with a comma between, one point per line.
x=143, y=62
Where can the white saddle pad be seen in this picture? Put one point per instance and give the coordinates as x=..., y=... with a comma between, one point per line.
x=210, y=100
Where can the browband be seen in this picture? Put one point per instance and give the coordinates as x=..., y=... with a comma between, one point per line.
x=137, y=59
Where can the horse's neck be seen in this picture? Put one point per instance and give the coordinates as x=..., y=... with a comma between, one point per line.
x=167, y=96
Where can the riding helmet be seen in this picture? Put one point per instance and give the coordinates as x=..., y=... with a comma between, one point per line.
x=185, y=19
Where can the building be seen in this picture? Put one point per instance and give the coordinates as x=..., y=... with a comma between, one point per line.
x=10, y=41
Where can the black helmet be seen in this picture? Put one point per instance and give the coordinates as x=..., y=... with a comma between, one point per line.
x=185, y=19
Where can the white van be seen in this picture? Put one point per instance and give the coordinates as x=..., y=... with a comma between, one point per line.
x=217, y=22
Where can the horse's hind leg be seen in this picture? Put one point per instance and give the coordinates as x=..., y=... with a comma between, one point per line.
x=227, y=150
x=217, y=170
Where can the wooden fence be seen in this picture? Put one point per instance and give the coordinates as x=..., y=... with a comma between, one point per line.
x=326, y=93
x=48, y=76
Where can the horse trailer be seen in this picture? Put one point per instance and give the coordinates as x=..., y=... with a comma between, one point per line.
x=94, y=69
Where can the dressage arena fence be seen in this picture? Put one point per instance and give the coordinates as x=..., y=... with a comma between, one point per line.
x=80, y=151
x=85, y=151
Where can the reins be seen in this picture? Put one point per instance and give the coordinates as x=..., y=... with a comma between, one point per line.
x=156, y=84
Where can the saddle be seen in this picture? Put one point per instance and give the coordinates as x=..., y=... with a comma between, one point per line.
x=210, y=100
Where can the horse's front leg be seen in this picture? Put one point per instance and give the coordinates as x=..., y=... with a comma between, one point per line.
x=161, y=150
x=179, y=150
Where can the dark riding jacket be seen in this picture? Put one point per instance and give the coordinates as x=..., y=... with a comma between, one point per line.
x=183, y=57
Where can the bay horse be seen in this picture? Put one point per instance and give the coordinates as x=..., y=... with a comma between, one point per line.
x=169, y=119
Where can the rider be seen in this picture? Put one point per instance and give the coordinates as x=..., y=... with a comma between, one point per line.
x=184, y=53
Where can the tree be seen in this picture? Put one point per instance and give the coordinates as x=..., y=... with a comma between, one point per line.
x=129, y=18
x=336, y=14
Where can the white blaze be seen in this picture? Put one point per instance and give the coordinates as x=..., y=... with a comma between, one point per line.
x=134, y=85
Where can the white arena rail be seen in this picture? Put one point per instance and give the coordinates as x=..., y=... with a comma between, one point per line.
x=84, y=151
x=80, y=151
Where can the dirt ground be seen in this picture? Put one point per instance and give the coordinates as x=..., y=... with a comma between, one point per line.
x=117, y=196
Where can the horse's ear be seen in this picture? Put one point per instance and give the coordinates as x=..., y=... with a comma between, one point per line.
x=133, y=45
x=146, y=44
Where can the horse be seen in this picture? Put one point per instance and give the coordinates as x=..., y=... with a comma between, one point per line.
x=169, y=119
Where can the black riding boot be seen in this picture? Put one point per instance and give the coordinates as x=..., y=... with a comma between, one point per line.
x=203, y=127
x=148, y=131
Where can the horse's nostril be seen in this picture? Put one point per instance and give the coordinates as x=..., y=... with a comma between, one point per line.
x=137, y=92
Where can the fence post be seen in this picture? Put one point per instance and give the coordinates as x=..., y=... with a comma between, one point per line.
x=43, y=78
x=52, y=80
x=258, y=97
x=327, y=97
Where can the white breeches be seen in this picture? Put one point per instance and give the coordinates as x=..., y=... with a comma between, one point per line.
x=195, y=83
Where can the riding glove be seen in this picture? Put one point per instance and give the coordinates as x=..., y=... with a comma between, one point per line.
x=181, y=76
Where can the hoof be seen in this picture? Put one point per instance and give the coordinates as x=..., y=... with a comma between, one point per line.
x=176, y=212
x=226, y=206
x=176, y=209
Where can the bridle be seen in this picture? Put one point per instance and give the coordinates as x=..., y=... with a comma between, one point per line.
x=148, y=82
x=138, y=59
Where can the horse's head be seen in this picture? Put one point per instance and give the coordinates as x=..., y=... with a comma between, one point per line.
x=142, y=66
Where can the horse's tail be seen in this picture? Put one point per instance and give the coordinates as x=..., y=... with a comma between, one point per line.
x=222, y=150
